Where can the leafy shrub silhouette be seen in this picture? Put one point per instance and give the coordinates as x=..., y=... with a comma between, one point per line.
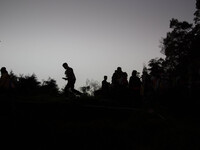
x=28, y=84
x=50, y=87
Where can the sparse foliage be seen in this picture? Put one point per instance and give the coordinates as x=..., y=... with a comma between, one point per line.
x=91, y=87
x=155, y=66
x=50, y=87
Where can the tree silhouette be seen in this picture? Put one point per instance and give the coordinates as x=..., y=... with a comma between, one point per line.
x=28, y=84
x=197, y=12
x=155, y=66
x=177, y=44
x=181, y=46
x=50, y=87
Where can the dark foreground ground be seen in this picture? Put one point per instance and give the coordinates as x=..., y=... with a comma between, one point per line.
x=60, y=125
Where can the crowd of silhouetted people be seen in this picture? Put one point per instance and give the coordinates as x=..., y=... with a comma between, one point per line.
x=158, y=87
x=152, y=89
x=121, y=88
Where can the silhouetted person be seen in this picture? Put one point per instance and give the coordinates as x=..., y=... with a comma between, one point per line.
x=70, y=77
x=124, y=80
x=119, y=85
x=147, y=85
x=135, y=85
x=105, y=86
x=117, y=77
x=5, y=82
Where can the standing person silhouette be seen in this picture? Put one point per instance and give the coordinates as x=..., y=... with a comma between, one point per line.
x=105, y=86
x=6, y=84
x=135, y=86
x=117, y=77
x=70, y=77
x=5, y=79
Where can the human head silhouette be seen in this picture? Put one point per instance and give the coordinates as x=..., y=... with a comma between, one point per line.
x=65, y=65
x=3, y=70
x=134, y=73
x=105, y=77
x=119, y=69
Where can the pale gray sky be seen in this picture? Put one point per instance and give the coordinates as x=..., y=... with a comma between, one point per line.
x=93, y=36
